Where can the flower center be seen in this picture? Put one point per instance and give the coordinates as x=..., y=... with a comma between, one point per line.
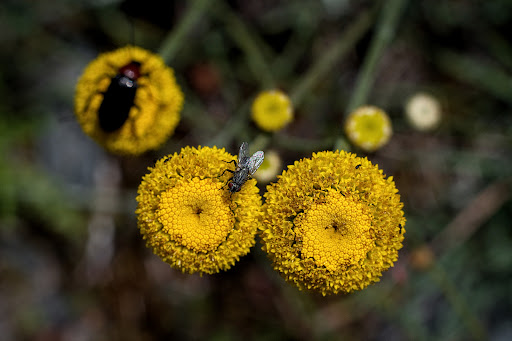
x=274, y=107
x=335, y=233
x=372, y=127
x=195, y=215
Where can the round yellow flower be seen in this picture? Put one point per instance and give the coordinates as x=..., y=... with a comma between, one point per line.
x=332, y=223
x=189, y=218
x=369, y=128
x=272, y=110
x=134, y=112
x=423, y=112
x=271, y=166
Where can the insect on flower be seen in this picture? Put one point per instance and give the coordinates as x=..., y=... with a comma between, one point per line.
x=119, y=98
x=245, y=167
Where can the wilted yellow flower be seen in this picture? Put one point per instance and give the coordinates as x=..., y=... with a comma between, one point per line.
x=369, y=128
x=189, y=218
x=423, y=112
x=134, y=112
x=272, y=110
x=271, y=166
x=332, y=223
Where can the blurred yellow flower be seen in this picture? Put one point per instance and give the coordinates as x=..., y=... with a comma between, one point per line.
x=128, y=100
x=189, y=218
x=272, y=110
x=423, y=112
x=369, y=128
x=271, y=166
x=332, y=223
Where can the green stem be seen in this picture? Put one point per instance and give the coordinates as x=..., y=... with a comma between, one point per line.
x=175, y=38
x=384, y=33
x=324, y=65
x=237, y=123
x=458, y=303
x=482, y=75
x=497, y=45
x=249, y=44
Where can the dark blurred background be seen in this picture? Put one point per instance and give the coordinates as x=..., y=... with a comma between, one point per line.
x=72, y=263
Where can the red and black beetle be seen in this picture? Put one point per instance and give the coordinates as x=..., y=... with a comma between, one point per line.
x=119, y=98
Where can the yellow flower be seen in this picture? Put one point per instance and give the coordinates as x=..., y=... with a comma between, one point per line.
x=369, y=128
x=137, y=117
x=271, y=166
x=189, y=218
x=272, y=110
x=423, y=112
x=332, y=223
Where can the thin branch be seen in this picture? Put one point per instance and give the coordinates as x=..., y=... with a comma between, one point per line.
x=324, y=65
x=384, y=34
x=176, y=37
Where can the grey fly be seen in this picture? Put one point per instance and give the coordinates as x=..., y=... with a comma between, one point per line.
x=245, y=167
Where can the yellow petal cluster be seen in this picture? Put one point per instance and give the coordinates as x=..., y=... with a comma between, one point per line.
x=189, y=218
x=369, y=128
x=272, y=110
x=338, y=223
x=332, y=223
x=157, y=104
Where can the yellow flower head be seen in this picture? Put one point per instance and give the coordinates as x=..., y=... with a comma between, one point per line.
x=189, y=218
x=332, y=223
x=272, y=110
x=128, y=100
x=369, y=128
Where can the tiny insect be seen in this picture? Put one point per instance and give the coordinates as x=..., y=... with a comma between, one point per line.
x=400, y=228
x=119, y=98
x=357, y=167
x=245, y=167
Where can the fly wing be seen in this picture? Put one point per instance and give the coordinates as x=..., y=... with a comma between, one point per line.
x=243, y=155
x=255, y=162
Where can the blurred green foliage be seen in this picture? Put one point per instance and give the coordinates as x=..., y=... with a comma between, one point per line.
x=72, y=264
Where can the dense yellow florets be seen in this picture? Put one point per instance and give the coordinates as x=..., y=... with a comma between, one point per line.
x=336, y=232
x=369, y=128
x=194, y=215
x=155, y=113
x=332, y=223
x=190, y=219
x=272, y=110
